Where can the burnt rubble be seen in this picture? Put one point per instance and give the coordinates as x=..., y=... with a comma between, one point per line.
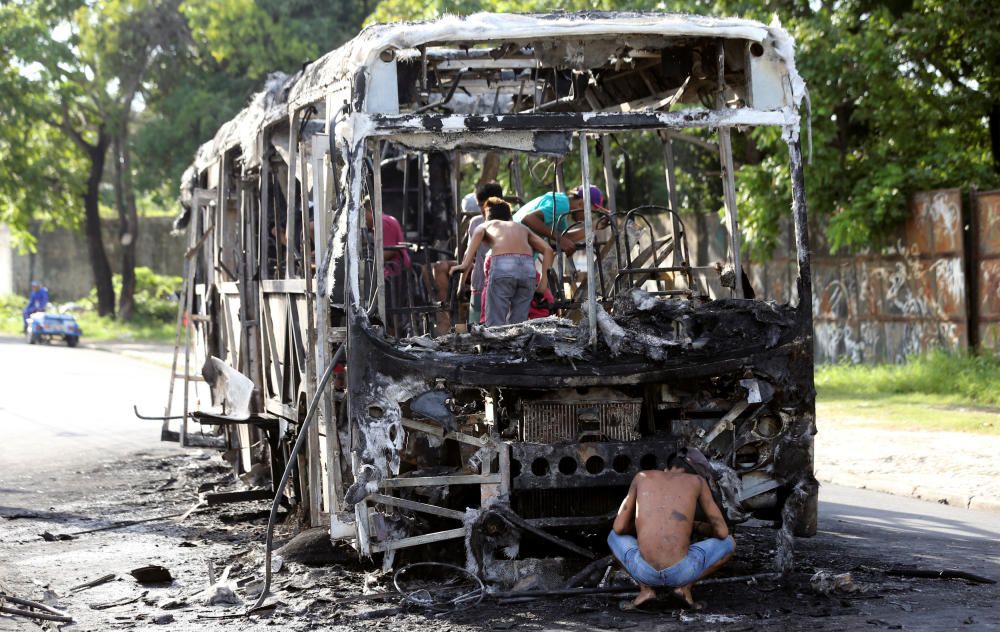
x=639, y=325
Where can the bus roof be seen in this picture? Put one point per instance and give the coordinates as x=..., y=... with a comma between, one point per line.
x=284, y=94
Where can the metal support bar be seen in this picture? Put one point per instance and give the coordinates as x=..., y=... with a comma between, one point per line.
x=290, y=219
x=670, y=172
x=436, y=431
x=402, y=543
x=379, y=273
x=588, y=227
x=421, y=481
x=413, y=505
x=728, y=180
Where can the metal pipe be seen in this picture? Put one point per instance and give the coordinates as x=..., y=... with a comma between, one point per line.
x=379, y=272
x=588, y=226
x=729, y=180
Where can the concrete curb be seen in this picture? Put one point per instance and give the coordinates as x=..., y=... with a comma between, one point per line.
x=945, y=497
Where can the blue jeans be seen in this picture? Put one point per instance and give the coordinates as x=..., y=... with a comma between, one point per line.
x=701, y=556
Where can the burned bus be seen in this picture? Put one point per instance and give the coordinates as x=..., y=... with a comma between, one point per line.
x=522, y=439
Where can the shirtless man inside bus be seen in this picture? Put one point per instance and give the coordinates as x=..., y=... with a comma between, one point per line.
x=511, y=282
x=651, y=536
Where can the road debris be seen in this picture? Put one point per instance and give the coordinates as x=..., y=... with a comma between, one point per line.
x=37, y=610
x=92, y=583
x=119, y=602
x=153, y=574
x=946, y=573
x=441, y=594
x=827, y=583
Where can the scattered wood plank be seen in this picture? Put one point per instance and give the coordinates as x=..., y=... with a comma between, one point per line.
x=222, y=498
x=47, y=613
x=123, y=524
x=103, y=579
x=45, y=616
x=118, y=602
x=945, y=573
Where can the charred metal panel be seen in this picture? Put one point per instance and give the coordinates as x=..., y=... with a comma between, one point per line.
x=581, y=465
x=551, y=421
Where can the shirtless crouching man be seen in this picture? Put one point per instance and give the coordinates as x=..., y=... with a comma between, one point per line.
x=651, y=536
x=512, y=278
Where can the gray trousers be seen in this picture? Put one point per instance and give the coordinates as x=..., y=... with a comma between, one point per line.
x=509, y=289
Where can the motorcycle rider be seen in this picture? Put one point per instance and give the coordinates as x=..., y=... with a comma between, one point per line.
x=37, y=302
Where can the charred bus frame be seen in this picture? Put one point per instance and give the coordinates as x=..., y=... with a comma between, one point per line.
x=485, y=434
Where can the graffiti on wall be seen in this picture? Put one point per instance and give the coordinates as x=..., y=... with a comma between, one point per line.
x=986, y=207
x=908, y=298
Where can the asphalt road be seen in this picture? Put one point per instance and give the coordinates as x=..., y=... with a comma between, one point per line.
x=65, y=412
x=65, y=409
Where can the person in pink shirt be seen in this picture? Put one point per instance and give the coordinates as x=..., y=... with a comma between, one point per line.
x=396, y=259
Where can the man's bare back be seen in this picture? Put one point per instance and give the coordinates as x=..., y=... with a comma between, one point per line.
x=506, y=237
x=664, y=515
x=659, y=510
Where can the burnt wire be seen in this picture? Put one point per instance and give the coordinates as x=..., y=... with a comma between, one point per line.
x=424, y=598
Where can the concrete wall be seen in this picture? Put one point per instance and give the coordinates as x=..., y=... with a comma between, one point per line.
x=6, y=262
x=60, y=261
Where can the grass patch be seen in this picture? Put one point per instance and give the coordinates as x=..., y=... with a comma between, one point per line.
x=154, y=319
x=936, y=391
x=951, y=378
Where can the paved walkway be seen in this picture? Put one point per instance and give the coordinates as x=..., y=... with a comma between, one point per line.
x=960, y=469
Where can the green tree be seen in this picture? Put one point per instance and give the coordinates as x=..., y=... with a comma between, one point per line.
x=235, y=45
x=41, y=48
x=134, y=42
x=41, y=172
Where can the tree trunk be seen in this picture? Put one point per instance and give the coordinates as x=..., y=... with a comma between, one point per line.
x=127, y=220
x=99, y=265
x=491, y=168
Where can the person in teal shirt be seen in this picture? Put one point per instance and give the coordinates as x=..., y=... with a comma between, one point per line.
x=547, y=214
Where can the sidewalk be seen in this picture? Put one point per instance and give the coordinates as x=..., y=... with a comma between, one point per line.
x=954, y=468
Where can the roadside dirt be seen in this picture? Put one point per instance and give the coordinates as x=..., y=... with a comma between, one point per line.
x=306, y=598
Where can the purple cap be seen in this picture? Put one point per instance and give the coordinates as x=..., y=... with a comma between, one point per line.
x=596, y=196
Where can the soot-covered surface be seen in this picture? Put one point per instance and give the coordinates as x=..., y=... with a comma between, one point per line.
x=859, y=534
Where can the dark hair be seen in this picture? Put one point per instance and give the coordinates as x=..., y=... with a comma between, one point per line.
x=488, y=190
x=498, y=209
x=677, y=460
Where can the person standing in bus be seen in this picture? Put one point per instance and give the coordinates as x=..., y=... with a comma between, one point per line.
x=546, y=215
x=513, y=279
x=478, y=277
x=395, y=260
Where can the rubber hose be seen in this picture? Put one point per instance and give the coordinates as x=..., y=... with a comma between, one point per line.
x=299, y=442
